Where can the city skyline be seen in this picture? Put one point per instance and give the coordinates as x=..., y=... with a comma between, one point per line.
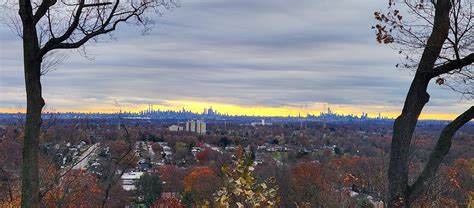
x=258, y=58
x=233, y=110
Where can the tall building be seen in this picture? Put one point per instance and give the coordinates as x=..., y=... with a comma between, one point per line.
x=210, y=112
x=191, y=126
x=203, y=128
x=196, y=126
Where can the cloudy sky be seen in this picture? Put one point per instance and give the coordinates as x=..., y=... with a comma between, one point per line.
x=241, y=57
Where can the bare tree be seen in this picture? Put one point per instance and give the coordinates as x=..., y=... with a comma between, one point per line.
x=122, y=159
x=436, y=38
x=49, y=25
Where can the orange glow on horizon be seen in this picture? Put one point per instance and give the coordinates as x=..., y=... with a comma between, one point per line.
x=232, y=109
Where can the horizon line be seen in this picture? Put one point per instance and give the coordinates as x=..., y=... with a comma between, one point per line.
x=427, y=117
x=199, y=107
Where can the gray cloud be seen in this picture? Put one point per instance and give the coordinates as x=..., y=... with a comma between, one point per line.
x=247, y=52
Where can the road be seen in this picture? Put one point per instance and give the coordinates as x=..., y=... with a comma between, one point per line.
x=85, y=157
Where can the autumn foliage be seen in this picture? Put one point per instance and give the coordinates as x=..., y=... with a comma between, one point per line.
x=76, y=189
x=192, y=180
x=242, y=189
x=200, y=184
x=168, y=202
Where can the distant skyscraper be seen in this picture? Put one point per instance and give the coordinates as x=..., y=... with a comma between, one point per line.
x=210, y=112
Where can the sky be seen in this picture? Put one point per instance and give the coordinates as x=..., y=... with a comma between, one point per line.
x=252, y=57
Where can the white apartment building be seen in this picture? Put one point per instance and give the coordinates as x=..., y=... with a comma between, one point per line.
x=175, y=128
x=196, y=126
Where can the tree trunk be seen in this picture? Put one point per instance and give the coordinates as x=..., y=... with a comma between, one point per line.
x=34, y=106
x=416, y=99
x=403, y=129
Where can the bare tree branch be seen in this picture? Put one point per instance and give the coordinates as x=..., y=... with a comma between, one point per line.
x=408, y=24
x=42, y=9
x=453, y=65
x=439, y=152
x=67, y=24
x=77, y=17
